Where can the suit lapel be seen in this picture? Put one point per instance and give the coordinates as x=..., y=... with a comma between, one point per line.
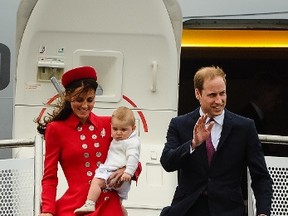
x=227, y=125
x=195, y=116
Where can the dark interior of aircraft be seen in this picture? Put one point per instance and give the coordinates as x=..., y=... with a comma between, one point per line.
x=254, y=75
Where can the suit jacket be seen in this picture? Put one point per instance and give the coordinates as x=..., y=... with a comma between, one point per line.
x=238, y=147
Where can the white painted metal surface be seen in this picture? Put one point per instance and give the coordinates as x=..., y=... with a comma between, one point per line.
x=20, y=179
x=278, y=169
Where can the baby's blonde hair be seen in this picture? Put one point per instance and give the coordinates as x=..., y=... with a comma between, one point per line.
x=124, y=114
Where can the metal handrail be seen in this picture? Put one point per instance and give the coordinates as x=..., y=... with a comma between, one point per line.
x=267, y=139
x=273, y=139
x=15, y=143
x=37, y=143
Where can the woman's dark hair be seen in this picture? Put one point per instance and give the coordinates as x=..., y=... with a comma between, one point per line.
x=63, y=107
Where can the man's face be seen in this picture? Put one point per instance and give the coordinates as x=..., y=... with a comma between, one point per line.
x=213, y=97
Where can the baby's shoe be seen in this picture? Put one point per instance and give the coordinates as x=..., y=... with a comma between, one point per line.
x=85, y=209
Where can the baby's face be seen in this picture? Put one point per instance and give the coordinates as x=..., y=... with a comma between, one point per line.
x=121, y=130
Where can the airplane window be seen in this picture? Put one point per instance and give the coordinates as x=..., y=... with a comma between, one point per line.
x=4, y=66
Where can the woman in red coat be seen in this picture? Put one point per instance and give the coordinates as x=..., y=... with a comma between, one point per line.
x=79, y=140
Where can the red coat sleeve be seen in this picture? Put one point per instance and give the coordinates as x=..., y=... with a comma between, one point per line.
x=50, y=178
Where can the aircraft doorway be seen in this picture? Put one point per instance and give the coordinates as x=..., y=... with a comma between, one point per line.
x=252, y=73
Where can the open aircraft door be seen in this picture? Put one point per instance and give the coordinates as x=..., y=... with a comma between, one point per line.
x=134, y=46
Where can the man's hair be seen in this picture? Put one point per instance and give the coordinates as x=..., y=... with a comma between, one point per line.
x=205, y=73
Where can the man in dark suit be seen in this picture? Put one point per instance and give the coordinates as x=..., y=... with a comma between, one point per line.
x=214, y=189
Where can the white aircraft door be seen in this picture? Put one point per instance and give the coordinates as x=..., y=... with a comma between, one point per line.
x=134, y=46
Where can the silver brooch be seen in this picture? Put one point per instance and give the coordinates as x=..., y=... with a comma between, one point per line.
x=103, y=133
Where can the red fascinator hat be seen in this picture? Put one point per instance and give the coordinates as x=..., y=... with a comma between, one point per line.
x=82, y=72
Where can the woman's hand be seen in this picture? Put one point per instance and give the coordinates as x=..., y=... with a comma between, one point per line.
x=114, y=181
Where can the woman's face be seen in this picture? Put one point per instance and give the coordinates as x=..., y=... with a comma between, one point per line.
x=82, y=103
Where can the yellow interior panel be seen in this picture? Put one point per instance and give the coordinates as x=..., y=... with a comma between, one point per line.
x=234, y=38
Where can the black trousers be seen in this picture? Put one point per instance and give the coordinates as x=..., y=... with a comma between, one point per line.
x=201, y=208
